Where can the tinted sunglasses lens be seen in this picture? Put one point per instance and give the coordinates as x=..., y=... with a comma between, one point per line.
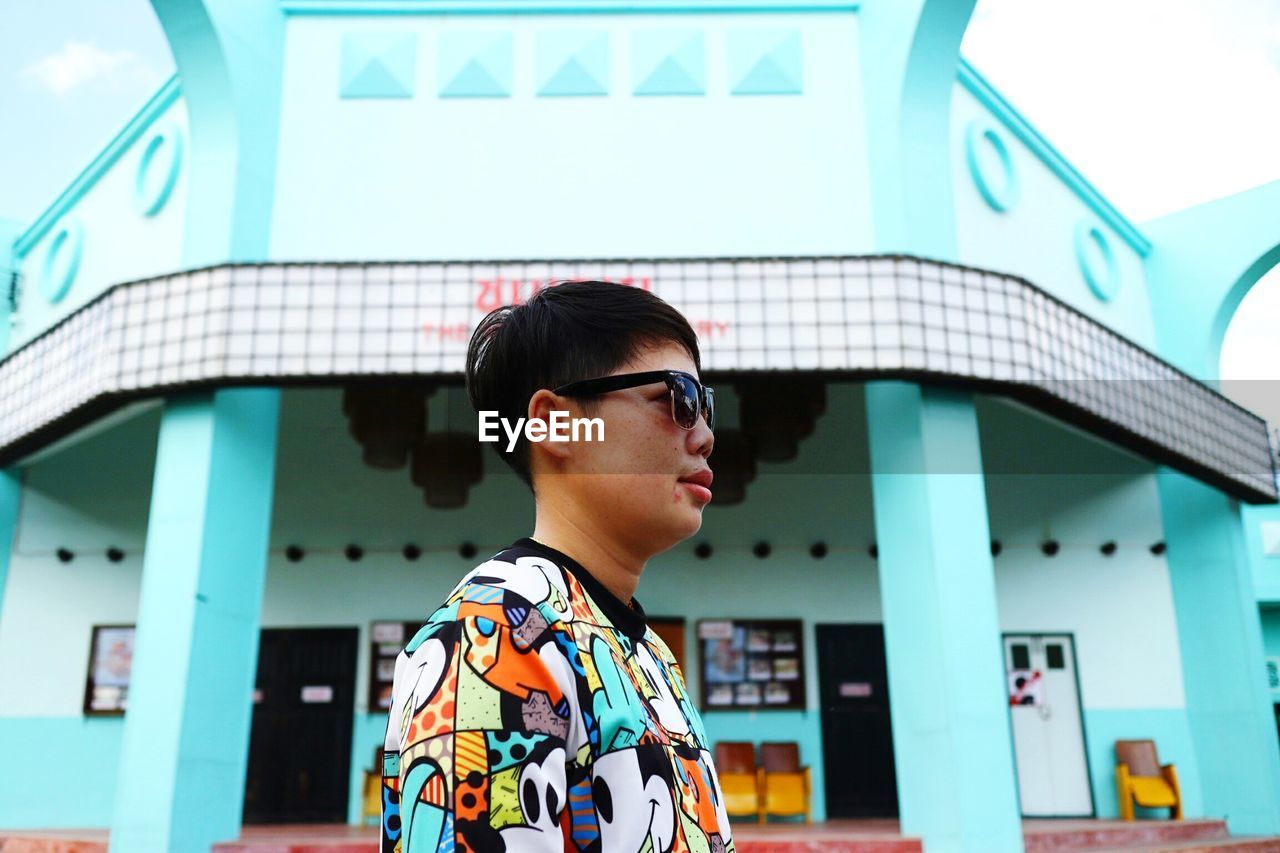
x=684, y=402
x=710, y=413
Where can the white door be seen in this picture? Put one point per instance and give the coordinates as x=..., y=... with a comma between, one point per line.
x=1048, y=737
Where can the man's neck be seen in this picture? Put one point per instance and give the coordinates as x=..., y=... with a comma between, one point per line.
x=607, y=561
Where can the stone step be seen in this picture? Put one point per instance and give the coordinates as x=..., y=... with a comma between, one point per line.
x=1049, y=836
x=1238, y=844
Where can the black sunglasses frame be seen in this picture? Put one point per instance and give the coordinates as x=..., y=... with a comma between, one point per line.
x=704, y=402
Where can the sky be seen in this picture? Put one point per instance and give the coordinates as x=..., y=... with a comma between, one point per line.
x=1161, y=104
x=72, y=73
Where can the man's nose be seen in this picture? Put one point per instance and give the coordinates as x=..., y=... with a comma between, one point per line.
x=701, y=438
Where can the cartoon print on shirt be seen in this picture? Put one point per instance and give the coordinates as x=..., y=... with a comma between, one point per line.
x=632, y=794
x=541, y=796
x=663, y=701
x=527, y=719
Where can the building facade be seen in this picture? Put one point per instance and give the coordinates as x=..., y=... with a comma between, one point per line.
x=1014, y=477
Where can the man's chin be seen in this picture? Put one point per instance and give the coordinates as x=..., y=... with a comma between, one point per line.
x=676, y=530
x=692, y=518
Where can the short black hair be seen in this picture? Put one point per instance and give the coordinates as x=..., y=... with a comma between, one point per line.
x=565, y=332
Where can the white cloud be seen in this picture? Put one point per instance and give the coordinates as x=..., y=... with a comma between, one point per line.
x=78, y=63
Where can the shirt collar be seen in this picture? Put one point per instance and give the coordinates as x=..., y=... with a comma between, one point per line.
x=629, y=620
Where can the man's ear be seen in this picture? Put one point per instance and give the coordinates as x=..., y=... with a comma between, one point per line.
x=541, y=405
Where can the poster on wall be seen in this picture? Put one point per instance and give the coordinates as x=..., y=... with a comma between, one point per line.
x=1025, y=687
x=106, y=691
x=751, y=663
x=386, y=640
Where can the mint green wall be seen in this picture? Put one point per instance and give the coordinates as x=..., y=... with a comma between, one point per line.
x=58, y=772
x=120, y=243
x=1035, y=237
x=87, y=498
x=528, y=176
x=1049, y=481
x=1046, y=481
x=1262, y=541
x=96, y=494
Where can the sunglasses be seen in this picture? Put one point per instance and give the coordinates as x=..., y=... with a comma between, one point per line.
x=689, y=397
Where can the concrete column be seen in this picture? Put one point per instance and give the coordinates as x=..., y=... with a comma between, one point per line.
x=185, y=749
x=953, y=747
x=1228, y=704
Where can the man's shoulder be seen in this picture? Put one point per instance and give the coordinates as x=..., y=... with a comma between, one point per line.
x=508, y=589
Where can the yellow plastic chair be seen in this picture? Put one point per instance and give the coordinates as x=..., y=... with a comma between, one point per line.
x=785, y=786
x=739, y=778
x=372, y=794
x=1142, y=779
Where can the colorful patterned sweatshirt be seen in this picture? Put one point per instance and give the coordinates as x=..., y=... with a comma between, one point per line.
x=535, y=711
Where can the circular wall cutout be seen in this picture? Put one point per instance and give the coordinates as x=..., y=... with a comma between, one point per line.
x=62, y=261
x=999, y=192
x=158, y=171
x=1092, y=245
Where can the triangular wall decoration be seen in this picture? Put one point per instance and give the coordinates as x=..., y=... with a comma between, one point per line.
x=572, y=62
x=473, y=81
x=475, y=64
x=573, y=79
x=377, y=65
x=765, y=62
x=669, y=62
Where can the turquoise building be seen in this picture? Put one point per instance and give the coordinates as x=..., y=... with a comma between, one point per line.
x=232, y=429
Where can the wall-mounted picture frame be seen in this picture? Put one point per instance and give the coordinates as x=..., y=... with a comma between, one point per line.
x=106, y=689
x=386, y=639
x=757, y=664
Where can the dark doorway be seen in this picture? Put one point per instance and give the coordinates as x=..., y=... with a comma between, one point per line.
x=300, y=746
x=857, y=737
x=670, y=629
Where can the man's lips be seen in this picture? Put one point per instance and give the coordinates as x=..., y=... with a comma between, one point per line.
x=701, y=478
x=699, y=483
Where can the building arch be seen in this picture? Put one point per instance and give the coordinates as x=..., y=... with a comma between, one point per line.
x=229, y=60
x=1206, y=259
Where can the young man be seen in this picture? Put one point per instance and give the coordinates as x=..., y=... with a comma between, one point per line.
x=535, y=711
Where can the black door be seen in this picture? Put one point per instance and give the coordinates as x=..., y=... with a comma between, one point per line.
x=300, y=746
x=857, y=739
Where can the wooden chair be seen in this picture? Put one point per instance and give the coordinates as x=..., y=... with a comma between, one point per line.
x=785, y=786
x=1142, y=779
x=739, y=778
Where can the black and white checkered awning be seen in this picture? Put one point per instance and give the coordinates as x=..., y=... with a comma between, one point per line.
x=850, y=317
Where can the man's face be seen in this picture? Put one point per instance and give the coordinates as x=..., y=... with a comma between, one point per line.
x=633, y=483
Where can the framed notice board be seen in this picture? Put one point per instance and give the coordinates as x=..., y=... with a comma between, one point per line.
x=387, y=641
x=106, y=688
x=756, y=664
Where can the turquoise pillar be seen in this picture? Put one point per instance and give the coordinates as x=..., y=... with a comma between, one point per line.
x=909, y=55
x=953, y=747
x=1228, y=704
x=186, y=737
x=10, y=497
